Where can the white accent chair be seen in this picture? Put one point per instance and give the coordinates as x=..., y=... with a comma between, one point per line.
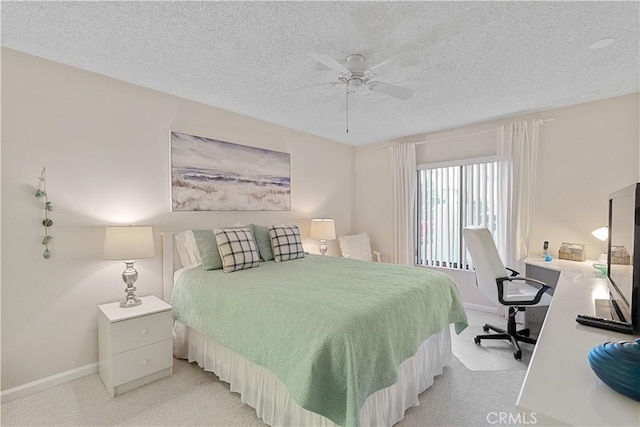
x=357, y=246
x=508, y=289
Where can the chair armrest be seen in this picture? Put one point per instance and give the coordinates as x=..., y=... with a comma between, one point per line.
x=500, y=282
x=377, y=255
x=513, y=272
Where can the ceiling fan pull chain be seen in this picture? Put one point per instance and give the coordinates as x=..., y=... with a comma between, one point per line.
x=347, y=105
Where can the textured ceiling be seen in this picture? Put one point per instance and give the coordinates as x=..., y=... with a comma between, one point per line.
x=477, y=60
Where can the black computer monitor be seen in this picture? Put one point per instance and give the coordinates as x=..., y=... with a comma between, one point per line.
x=623, y=255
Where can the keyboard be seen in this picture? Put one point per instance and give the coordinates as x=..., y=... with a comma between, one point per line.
x=602, y=323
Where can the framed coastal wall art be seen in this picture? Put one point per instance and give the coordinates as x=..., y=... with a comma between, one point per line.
x=212, y=175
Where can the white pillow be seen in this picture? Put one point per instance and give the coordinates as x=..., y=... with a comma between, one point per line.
x=356, y=246
x=188, y=249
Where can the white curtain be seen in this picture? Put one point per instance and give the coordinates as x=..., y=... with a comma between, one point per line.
x=518, y=158
x=404, y=197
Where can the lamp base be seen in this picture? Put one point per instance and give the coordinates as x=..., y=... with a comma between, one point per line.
x=323, y=247
x=129, y=276
x=130, y=302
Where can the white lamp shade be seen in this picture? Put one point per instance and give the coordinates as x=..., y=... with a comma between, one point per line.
x=322, y=229
x=128, y=243
x=601, y=233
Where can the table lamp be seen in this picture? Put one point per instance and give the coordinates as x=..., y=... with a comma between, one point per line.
x=128, y=244
x=323, y=229
x=601, y=233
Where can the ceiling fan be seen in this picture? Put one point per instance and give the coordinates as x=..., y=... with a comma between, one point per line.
x=355, y=75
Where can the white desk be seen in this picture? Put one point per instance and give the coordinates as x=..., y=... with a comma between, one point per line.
x=560, y=386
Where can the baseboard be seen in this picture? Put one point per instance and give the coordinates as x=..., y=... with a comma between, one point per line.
x=478, y=307
x=48, y=382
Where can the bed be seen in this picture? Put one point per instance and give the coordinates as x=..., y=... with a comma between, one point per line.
x=318, y=340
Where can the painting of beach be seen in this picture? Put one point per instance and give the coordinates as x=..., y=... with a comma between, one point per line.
x=212, y=175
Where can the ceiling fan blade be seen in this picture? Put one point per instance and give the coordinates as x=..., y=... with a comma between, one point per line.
x=316, y=85
x=392, y=90
x=402, y=60
x=329, y=62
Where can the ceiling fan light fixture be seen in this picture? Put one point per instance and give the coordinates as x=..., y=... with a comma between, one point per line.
x=354, y=84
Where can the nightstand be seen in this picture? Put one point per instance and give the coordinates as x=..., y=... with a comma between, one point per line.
x=135, y=344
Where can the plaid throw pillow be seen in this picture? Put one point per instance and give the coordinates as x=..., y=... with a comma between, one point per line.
x=238, y=249
x=286, y=242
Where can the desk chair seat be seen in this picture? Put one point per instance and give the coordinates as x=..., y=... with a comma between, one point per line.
x=508, y=289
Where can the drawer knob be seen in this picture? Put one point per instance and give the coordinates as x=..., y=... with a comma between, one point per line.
x=144, y=331
x=144, y=361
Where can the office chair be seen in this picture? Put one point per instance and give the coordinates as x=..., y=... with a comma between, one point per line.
x=510, y=290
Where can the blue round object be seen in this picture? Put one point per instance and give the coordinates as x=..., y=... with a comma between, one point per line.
x=547, y=258
x=617, y=364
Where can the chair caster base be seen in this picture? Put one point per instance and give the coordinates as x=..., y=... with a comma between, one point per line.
x=510, y=334
x=525, y=332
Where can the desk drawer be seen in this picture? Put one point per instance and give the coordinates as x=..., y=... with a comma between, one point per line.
x=142, y=361
x=141, y=331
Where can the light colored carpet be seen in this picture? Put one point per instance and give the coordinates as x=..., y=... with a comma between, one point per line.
x=193, y=397
x=490, y=355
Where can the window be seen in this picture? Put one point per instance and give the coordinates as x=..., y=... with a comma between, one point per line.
x=450, y=197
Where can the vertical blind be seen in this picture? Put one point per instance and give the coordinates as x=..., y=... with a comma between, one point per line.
x=449, y=199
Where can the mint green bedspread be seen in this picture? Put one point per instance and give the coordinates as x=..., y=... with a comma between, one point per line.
x=333, y=330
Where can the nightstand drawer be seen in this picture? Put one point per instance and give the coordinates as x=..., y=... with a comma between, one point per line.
x=142, y=361
x=138, y=332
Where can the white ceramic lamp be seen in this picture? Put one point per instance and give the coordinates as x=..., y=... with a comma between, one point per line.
x=128, y=244
x=323, y=229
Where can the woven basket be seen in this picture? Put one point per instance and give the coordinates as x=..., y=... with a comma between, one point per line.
x=620, y=255
x=572, y=252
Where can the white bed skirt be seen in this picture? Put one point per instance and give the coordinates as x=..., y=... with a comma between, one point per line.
x=262, y=390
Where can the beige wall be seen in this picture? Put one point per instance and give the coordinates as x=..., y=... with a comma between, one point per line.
x=105, y=144
x=588, y=151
